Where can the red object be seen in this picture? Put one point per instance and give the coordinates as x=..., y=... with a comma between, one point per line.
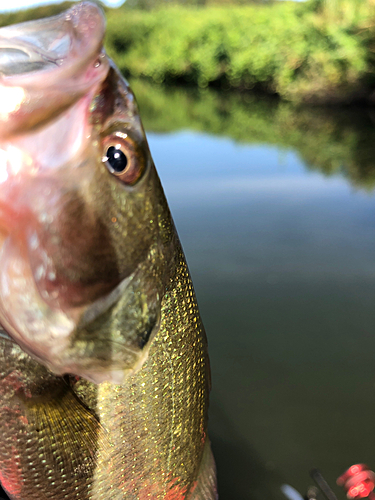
x=358, y=481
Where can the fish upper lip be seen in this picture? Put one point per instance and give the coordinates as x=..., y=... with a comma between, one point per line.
x=46, y=44
x=49, y=64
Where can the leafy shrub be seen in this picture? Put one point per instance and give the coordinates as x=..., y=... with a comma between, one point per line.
x=320, y=51
x=281, y=48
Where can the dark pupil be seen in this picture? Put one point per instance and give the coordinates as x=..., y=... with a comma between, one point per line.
x=116, y=159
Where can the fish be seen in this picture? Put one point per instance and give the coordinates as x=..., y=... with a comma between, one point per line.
x=104, y=370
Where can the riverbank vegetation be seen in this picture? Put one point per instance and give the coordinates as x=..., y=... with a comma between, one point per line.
x=321, y=51
x=301, y=52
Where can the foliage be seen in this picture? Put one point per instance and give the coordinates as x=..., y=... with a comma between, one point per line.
x=333, y=141
x=348, y=13
x=321, y=51
x=157, y=4
x=281, y=48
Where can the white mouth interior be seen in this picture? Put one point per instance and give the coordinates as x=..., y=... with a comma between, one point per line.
x=47, y=43
x=21, y=60
x=35, y=46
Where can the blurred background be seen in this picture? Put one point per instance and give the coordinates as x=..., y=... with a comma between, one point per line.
x=260, y=117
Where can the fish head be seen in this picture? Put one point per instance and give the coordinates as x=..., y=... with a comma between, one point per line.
x=85, y=232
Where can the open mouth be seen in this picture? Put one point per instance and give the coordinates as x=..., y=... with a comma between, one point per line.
x=49, y=70
x=60, y=280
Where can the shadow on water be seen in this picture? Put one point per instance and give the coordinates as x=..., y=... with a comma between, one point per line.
x=241, y=473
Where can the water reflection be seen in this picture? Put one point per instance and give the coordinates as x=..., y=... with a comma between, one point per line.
x=330, y=140
x=275, y=212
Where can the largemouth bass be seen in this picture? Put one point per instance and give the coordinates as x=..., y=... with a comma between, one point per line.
x=104, y=373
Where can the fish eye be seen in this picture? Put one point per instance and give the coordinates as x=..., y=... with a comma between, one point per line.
x=123, y=157
x=116, y=160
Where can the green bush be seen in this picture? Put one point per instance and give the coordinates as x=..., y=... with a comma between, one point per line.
x=281, y=48
x=320, y=51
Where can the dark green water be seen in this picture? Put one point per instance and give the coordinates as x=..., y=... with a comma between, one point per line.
x=275, y=208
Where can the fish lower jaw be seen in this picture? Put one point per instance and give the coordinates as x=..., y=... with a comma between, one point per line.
x=49, y=335
x=62, y=340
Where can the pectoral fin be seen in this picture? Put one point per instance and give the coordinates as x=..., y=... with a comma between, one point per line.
x=60, y=440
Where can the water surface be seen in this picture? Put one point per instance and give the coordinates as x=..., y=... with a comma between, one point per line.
x=275, y=209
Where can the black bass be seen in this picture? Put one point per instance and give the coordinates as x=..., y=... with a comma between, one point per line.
x=104, y=373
